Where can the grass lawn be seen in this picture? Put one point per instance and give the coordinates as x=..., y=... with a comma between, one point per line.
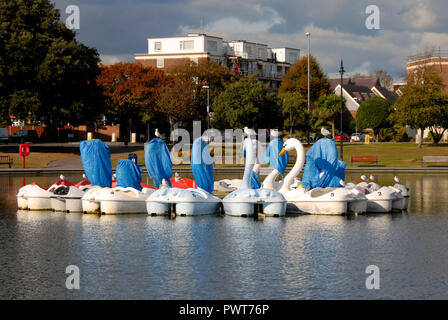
x=389, y=155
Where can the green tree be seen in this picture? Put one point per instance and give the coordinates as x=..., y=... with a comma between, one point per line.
x=246, y=103
x=204, y=73
x=423, y=103
x=373, y=113
x=45, y=74
x=296, y=79
x=294, y=110
x=327, y=108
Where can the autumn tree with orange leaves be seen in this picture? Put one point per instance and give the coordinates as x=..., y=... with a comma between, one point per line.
x=130, y=90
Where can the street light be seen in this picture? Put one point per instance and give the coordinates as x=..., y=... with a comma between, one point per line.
x=341, y=71
x=308, y=34
x=208, y=105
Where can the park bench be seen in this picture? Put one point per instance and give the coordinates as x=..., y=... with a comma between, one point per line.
x=434, y=159
x=6, y=160
x=364, y=159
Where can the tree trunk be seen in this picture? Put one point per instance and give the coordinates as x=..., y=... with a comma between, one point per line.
x=436, y=136
x=421, y=138
x=332, y=128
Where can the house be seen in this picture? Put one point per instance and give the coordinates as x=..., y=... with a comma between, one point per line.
x=357, y=90
x=240, y=56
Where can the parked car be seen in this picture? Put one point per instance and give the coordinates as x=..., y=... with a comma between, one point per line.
x=24, y=135
x=345, y=137
x=4, y=137
x=356, y=137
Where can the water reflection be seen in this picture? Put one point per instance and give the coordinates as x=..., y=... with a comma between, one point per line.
x=213, y=257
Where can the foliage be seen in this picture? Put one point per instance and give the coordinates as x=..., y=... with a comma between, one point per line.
x=373, y=113
x=246, y=103
x=296, y=79
x=175, y=100
x=130, y=90
x=294, y=110
x=45, y=74
x=423, y=103
x=204, y=73
x=328, y=108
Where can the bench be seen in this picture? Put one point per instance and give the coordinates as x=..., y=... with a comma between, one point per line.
x=434, y=159
x=364, y=159
x=6, y=160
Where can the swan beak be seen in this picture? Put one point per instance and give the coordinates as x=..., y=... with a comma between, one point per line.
x=282, y=152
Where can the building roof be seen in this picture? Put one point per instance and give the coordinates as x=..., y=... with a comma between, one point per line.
x=390, y=96
x=337, y=81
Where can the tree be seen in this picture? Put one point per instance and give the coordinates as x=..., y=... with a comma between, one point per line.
x=373, y=113
x=175, y=100
x=423, y=103
x=386, y=80
x=294, y=110
x=246, y=103
x=328, y=108
x=204, y=73
x=45, y=74
x=131, y=91
x=296, y=79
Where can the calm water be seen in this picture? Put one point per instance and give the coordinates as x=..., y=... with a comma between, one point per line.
x=211, y=257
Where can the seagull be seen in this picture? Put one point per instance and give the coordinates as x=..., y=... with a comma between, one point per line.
x=324, y=132
x=157, y=133
x=275, y=133
x=342, y=182
x=84, y=176
x=372, y=178
x=364, y=178
x=249, y=132
x=177, y=177
x=397, y=180
x=62, y=177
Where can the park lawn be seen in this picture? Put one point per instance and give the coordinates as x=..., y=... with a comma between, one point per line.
x=389, y=155
x=394, y=154
x=36, y=159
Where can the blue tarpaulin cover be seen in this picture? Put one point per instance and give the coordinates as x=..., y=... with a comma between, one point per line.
x=270, y=156
x=95, y=158
x=128, y=174
x=254, y=182
x=158, y=161
x=202, y=165
x=323, y=157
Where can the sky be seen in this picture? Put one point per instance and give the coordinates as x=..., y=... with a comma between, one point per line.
x=119, y=28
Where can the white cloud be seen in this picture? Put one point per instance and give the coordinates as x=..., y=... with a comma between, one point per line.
x=111, y=59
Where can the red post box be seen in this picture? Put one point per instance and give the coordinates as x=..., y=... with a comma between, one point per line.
x=24, y=151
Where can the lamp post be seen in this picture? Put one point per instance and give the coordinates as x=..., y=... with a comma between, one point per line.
x=341, y=71
x=208, y=105
x=308, y=34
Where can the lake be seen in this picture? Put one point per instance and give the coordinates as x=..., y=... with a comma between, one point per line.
x=222, y=257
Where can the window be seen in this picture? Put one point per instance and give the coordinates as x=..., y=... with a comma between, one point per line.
x=249, y=51
x=212, y=45
x=292, y=57
x=260, y=53
x=187, y=45
x=157, y=46
x=160, y=63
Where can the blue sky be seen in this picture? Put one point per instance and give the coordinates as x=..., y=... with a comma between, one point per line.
x=119, y=29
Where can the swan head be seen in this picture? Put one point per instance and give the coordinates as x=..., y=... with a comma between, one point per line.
x=289, y=145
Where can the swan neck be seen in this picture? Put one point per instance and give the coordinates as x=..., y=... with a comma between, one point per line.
x=250, y=161
x=268, y=182
x=300, y=160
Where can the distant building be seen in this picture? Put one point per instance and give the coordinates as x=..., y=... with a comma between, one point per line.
x=240, y=56
x=437, y=59
x=357, y=90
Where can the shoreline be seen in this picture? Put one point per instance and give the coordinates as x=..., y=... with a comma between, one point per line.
x=234, y=169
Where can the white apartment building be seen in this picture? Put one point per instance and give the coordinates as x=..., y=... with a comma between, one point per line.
x=240, y=56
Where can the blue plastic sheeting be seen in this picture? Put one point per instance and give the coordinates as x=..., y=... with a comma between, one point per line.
x=95, y=158
x=270, y=156
x=323, y=157
x=158, y=161
x=128, y=174
x=202, y=165
x=254, y=182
